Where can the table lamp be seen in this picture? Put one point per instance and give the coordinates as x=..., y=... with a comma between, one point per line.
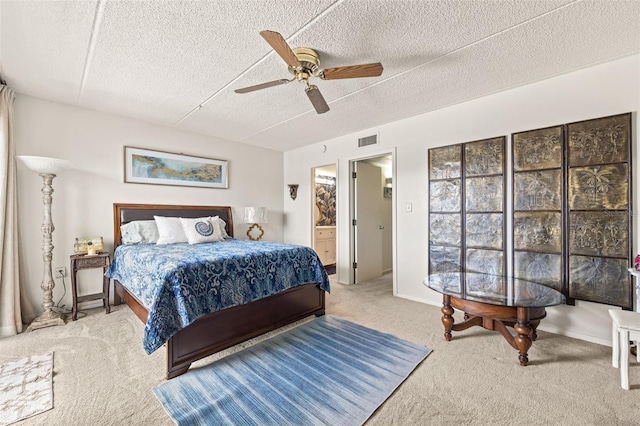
x=255, y=216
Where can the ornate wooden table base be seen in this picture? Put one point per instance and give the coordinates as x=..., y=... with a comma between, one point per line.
x=492, y=317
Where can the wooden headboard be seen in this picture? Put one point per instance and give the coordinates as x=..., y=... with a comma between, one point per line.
x=125, y=213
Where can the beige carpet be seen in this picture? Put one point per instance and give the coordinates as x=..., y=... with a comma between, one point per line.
x=102, y=376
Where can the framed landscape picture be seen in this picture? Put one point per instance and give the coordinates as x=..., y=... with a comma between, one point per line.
x=165, y=168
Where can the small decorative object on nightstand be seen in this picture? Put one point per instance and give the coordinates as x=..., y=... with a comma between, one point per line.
x=99, y=260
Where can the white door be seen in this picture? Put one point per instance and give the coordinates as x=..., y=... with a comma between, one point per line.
x=368, y=216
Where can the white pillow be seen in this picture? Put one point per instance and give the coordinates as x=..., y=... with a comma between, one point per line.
x=201, y=230
x=170, y=230
x=222, y=226
x=139, y=232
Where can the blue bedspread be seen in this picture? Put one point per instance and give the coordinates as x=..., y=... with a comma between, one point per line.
x=179, y=283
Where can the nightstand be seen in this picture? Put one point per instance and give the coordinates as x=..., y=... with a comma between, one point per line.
x=100, y=260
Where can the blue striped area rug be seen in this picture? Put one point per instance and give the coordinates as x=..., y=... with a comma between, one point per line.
x=328, y=371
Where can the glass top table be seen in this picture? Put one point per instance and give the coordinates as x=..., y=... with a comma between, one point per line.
x=494, y=289
x=494, y=303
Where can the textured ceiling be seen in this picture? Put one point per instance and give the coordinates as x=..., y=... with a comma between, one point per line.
x=178, y=63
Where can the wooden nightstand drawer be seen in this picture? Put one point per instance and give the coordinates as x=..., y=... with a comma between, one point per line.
x=96, y=261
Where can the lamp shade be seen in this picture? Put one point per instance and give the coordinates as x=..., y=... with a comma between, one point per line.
x=255, y=215
x=44, y=165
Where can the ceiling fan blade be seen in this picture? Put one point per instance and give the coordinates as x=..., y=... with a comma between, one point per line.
x=281, y=47
x=316, y=98
x=353, y=71
x=262, y=86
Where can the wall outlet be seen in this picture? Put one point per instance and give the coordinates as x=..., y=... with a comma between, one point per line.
x=60, y=272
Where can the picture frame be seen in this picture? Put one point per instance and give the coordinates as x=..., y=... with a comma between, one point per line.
x=167, y=168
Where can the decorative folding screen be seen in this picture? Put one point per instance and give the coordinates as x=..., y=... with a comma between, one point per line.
x=538, y=207
x=466, y=207
x=445, y=209
x=571, y=212
x=599, y=215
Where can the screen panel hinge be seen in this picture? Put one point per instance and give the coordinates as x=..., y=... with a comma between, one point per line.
x=354, y=221
x=355, y=265
x=353, y=175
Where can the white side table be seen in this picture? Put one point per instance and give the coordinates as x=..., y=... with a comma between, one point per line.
x=636, y=274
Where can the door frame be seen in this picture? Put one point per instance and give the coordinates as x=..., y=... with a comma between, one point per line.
x=312, y=203
x=352, y=208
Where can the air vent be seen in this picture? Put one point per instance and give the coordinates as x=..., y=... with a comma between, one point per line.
x=369, y=140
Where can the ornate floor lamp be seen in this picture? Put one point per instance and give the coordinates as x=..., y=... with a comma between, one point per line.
x=48, y=168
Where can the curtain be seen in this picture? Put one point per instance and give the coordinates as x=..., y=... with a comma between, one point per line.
x=10, y=313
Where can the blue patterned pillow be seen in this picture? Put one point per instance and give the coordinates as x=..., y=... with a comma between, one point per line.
x=201, y=230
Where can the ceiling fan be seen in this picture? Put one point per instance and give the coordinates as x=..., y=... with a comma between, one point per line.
x=304, y=63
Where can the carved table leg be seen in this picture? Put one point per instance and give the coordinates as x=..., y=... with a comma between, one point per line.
x=522, y=339
x=447, y=319
x=534, y=328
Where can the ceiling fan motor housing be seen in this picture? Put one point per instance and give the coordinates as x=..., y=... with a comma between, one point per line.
x=309, y=59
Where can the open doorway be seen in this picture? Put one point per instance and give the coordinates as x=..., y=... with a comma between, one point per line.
x=324, y=216
x=372, y=217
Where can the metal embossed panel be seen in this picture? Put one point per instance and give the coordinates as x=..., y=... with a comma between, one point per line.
x=599, y=141
x=543, y=268
x=484, y=194
x=445, y=196
x=484, y=230
x=444, y=259
x=538, y=231
x=539, y=190
x=538, y=149
x=449, y=282
x=599, y=187
x=445, y=162
x=445, y=229
x=484, y=157
x=484, y=286
x=599, y=233
x=600, y=279
x=485, y=261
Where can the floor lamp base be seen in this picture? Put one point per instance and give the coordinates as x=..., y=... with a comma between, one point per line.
x=48, y=319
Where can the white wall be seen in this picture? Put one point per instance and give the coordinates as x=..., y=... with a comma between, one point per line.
x=603, y=90
x=83, y=198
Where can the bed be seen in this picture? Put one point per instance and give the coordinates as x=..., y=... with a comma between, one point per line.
x=215, y=331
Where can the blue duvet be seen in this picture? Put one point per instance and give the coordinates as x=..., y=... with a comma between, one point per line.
x=179, y=283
